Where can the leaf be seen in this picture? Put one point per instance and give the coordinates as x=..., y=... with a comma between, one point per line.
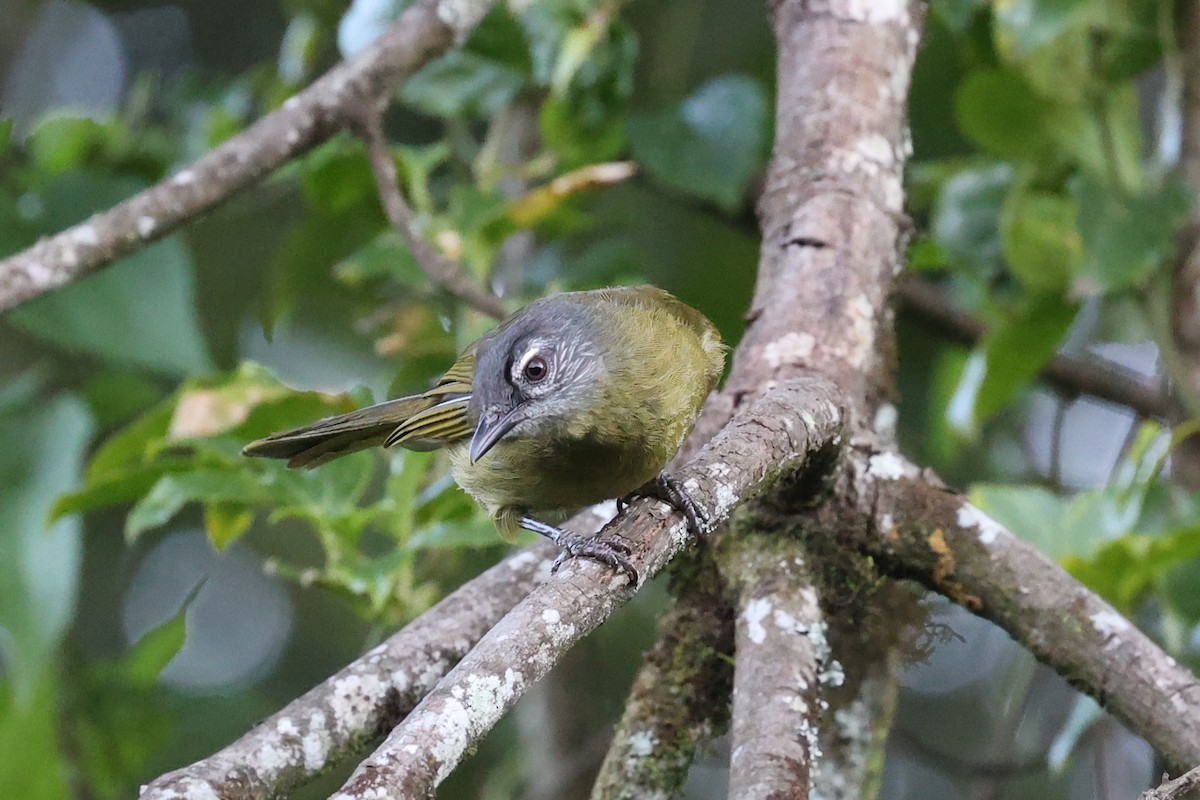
x=140, y=312
x=1126, y=237
x=1012, y=355
x=1041, y=244
x=173, y=491
x=146, y=660
x=711, y=144
x=462, y=84
x=39, y=567
x=966, y=217
x=1061, y=528
x=1022, y=26
x=1125, y=570
x=1005, y=116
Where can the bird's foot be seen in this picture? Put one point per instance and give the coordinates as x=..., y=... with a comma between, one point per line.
x=670, y=490
x=573, y=545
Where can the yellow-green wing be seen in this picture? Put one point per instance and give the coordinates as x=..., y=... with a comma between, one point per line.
x=447, y=420
x=421, y=422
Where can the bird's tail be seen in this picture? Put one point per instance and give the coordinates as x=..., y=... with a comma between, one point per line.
x=326, y=439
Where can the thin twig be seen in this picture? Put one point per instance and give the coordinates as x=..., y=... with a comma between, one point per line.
x=424, y=31
x=1071, y=376
x=776, y=437
x=441, y=270
x=1185, y=787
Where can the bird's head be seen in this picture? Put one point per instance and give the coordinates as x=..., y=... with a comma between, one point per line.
x=535, y=375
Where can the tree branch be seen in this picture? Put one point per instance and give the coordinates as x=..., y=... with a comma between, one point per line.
x=441, y=271
x=679, y=699
x=920, y=530
x=424, y=31
x=1185, y=786
x=1070, y=376
x=775, y=438
x=781, y=647
x=365, y=699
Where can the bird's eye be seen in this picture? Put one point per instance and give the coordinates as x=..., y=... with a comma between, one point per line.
x=535, y=369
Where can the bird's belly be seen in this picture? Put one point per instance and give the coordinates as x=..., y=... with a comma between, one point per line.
x=542, y=477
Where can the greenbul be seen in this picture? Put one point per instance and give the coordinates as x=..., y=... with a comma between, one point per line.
x=577, y=398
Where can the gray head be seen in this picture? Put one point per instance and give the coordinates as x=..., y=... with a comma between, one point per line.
x=533, y=373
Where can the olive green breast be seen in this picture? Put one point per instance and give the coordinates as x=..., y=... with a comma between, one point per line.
x=661, y=359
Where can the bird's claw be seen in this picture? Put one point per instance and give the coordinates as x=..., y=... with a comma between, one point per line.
x=607, y=551
x=670, y=490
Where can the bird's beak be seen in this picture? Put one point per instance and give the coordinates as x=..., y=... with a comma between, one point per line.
x=491, y=429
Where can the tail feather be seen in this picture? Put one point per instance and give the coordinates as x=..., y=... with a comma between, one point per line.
x=326, y=439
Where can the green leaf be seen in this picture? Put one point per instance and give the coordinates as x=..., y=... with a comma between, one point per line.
x=966, y=217
x=60, y=143
x=140, y=312
x=1125, y=570
x=1061, y=528
x=711, y=144
x=1022, y=26
x=173, y=491
x=385, y=257
x=1127, y=237
x=462, y=84
x=146, y=660
x=1005, y=116
x=32, y=767
x=39, y=567
x=1012, y=355
x=1041, y=244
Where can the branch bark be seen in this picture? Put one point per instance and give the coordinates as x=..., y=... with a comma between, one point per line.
x=1070, y=376
x=777, y=437
x=679, y=698
x=1185, y=786
x=920, y=530
x=365, y=699
x=441, y=271
x=424, y=31
x=781, y=647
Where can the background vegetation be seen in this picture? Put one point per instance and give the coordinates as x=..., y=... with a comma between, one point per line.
x=1045, y=201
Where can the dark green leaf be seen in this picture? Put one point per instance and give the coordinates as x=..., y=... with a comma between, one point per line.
x=1126, y=236
x=173, y=491
x=146, y=660
x=462, y=84
x=1041, y=243
x=966, y=217
x=711, y=144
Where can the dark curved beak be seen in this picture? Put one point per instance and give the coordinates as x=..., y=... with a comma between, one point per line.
x=491, y=429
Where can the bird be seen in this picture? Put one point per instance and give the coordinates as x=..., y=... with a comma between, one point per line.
x=577, y=398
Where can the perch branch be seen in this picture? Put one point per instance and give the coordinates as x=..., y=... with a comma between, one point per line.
x=1071, y=376
x=424, y=31
x=776, y=437
x=363, y=700
x=440, y=270
x=781, y=647
x=929, y=533
x=679, y=699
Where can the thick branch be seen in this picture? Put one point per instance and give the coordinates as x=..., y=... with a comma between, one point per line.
x=440, y=270
x=934, y=535
x=1070, y=376
x=781, y=646
x=679, y=699
x=423, y=31
x=777, y=437
x=362, y=701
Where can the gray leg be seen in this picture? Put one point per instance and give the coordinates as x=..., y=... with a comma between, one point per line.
x=615, y=554
x=667, y=488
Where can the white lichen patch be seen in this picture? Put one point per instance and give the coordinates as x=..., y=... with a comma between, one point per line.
x=146, y=226
x=833, y=674
x=354, y=696
x=756, y=611
x=185, y=177
x=641, y=744
x=316, y=747
x=888, y=466
x=792, y=348
x=875, y=11
x=860, y=338
x=971, y=517
x=885, y=421
x=1110, y=625
x=86, y=235
x=551, y=616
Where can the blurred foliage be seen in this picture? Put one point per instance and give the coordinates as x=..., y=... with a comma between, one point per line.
x=568, y=144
